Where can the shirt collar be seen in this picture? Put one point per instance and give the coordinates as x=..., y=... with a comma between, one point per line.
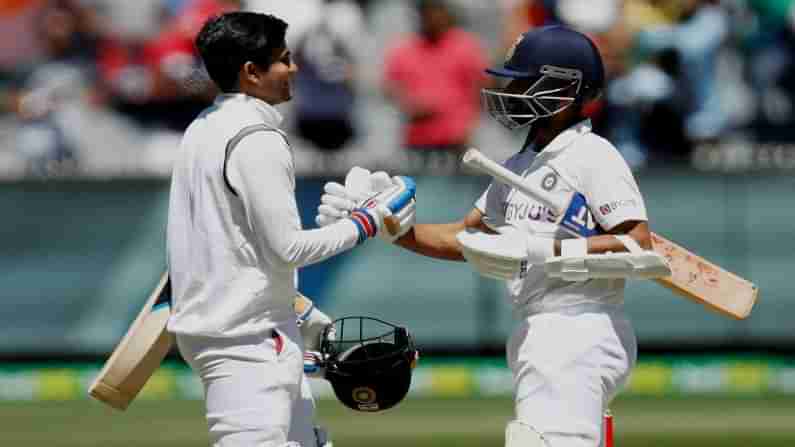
x=565, y=138
x=268, y=113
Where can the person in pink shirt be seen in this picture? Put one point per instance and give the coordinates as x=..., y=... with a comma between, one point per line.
x=435, y=76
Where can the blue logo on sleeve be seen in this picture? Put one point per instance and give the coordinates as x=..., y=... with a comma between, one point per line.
x=578, y=219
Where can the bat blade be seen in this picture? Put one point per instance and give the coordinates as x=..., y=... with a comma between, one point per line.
x=704, y=282
x=138, y=354
x=693, y=277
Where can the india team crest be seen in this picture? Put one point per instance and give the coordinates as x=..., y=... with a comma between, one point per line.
x=549, y=181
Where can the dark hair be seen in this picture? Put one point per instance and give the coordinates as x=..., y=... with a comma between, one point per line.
x=228, y=41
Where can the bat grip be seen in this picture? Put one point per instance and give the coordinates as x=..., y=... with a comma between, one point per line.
x=476, y=160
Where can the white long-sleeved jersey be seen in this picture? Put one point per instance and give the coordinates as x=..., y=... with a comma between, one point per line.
x=234, y=234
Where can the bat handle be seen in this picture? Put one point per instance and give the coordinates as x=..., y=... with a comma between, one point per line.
x=392, y=224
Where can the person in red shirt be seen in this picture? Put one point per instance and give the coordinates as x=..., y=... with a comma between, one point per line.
x=435, y=76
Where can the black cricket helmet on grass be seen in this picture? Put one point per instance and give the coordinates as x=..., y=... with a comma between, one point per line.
x=368, y=362
x=555, y=66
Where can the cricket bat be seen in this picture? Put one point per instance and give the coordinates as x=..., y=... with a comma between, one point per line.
x=692, y=276
x=138, y=354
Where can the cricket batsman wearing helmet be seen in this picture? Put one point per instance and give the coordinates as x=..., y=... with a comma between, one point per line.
x=235, y=242
x=574, y=347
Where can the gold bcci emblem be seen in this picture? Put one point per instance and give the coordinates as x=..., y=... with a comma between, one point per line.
x=365, y=398
x=363, y=395
x=512, y=50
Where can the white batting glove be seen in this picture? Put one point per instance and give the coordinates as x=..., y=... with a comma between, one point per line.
x=376, y=197
x=336, y=203
x=370, y=215
x=406, y=215
x=339, y=200
x=311, y=322
x=505, y=255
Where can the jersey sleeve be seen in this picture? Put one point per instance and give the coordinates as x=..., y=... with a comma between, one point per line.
x=611, y=189
x=487, y=205
x=260, y=170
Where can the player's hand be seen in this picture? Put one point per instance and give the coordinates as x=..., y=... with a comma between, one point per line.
x=396, y=201
x=376, y=196
x=505, y=255
x=339, y=200
x=403, y=191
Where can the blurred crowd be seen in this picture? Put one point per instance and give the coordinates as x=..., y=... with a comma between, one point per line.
x=104, y=88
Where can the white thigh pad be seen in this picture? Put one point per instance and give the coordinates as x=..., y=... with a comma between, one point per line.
x=518, y=434
x=575, y=265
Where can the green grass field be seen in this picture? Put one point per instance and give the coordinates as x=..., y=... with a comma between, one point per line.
x=702, y=422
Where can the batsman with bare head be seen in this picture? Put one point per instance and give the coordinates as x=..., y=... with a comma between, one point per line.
x=574, y=347
x=235, y=242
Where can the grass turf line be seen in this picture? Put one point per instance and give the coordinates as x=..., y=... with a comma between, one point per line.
x=706, y=422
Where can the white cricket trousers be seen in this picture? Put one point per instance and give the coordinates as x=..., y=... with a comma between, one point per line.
x=567, y=366
x=254, y=389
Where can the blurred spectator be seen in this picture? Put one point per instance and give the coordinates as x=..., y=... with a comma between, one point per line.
x=327, y=55
x=769, y=47
x=660, y=108
x=153, y=81
x=661, y=61
x=64, y=78
x=129, y=21
x=646, y=111
x=18, y=18
x=434, y=77
x=300, y=14
x=523, y=15
x=592, y=17
x=702, y=29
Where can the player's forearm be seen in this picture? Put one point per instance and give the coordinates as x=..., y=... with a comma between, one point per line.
x=604, y=243
x=263, y=181
x=434, y=240
x=305, y=247
x=277, y=221
x=600, y=244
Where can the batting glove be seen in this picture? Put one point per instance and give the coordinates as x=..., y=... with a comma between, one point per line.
x=338, y=200
x=404, y=207
x=398, y=201
x=311, y=322
x=386, y=197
